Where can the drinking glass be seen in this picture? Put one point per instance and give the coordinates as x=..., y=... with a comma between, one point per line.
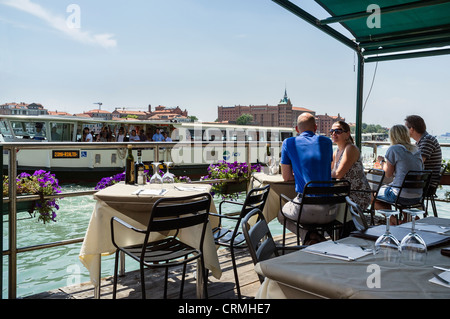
x=387, y=245
x=168, y=177
x=269, y=163
x=413, y=248
x=156, y=178
x=274, y=166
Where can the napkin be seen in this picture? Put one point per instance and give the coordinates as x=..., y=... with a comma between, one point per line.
x=425, y=227
x=192, y=188
x=338, y=250
x=445, y=275
x=150, y=191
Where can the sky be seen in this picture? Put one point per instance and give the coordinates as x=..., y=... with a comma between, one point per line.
x=198, y=55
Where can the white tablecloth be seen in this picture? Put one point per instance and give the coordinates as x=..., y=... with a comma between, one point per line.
x=118, y=201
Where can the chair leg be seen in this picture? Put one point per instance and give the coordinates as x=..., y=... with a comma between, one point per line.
x=116, y=266
x=433, y=205
x=236, y=278
x=182, y=279
x=205, y=277
x=166, y=276
x=143, y=294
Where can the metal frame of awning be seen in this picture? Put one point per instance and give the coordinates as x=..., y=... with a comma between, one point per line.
x=410, y=43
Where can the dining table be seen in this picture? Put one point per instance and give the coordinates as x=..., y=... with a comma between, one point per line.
x=349, y=268
x=133, y=204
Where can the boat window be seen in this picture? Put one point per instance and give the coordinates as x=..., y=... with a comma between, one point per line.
x=4, y=129
x=61, y=132
x=29, y=130
x=285, y=135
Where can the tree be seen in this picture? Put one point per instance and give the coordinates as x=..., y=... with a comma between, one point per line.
x=244, y=119
x=193, y=118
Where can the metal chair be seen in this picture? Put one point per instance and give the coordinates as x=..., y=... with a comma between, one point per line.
x=413, y=180
x=167, y=214
x=230, y=236
x=375, y=177
x=431, y=194
x=358, y=217
x=259, y=239
x=319, y=193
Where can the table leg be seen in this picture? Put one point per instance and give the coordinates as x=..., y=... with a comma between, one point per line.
x=99, y=280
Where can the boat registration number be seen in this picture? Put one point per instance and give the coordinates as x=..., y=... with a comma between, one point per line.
x=65, y=154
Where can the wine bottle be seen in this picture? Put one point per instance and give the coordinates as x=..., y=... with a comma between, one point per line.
x=129, y=168
x=139, y=176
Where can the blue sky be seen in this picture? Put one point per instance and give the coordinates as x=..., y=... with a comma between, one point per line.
x=200, y=54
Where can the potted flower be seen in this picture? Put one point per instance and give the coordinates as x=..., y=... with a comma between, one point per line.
x=41, y=183
x=239, y=172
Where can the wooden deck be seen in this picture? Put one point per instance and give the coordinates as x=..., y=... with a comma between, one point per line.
x=129, y=285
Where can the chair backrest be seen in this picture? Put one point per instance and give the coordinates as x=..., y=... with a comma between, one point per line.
x=258, y=237
x=416, y=180
x=375, y=178
x=256, y=198
x=357, y=215
x=174, y=213
x=325, y=192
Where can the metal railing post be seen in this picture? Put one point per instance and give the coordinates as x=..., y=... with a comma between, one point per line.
x=12, y=265
x=1, y=221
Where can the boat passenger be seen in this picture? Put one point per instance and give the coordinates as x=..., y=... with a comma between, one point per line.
x=134, y=137
x=166, y=137
x=121, y=135
x=347, y=164
x=304, y=158
x=402, y=156
x=142, y=136
x=157, y=137
x=39, y=134
x=429, y=147
x=87, y=136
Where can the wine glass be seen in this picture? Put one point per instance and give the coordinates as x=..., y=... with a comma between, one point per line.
x=274, y=166
x=269, y=163
x=412, y=246
x=168, y=177
x=387, y=245
x=156, y=178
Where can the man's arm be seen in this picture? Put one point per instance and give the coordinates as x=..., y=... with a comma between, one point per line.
x=287, y=173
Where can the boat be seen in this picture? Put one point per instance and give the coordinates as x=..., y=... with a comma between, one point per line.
x=194, y=145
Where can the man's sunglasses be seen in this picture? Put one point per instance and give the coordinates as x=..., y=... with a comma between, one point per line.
x=338, y=131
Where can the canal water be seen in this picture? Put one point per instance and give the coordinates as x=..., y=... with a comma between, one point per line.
x=45, y=270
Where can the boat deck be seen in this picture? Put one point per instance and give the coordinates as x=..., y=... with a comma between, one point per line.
x=129, y=285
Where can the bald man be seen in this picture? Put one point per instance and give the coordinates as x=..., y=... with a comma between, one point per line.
x=304, y=158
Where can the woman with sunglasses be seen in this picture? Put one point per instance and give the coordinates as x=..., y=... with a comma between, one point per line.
x=347, y=164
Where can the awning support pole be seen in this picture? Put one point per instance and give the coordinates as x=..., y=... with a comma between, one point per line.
x=359, y=99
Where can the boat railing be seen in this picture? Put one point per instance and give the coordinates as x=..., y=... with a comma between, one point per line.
x=12, y=149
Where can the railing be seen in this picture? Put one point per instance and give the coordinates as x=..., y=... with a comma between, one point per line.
x=375, y=144
x=13, y=199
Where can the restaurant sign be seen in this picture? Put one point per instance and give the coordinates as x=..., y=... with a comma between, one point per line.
x=65, y=154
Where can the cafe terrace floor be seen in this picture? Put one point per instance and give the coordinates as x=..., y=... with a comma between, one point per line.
x=129, y=285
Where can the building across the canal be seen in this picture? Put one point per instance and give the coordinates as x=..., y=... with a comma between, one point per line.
x=282, y=115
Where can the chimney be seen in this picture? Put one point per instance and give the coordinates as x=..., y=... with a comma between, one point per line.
x=150, y=108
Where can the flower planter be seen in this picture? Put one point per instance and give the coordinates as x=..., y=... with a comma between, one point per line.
x=20, y=207
x=445, y=179
x=234, y=187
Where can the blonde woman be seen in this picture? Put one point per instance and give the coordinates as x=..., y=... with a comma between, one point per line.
x=402, y=156
x=347, y=164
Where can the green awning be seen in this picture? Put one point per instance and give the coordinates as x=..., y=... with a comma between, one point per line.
x=406, y=29
x=387, y=31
